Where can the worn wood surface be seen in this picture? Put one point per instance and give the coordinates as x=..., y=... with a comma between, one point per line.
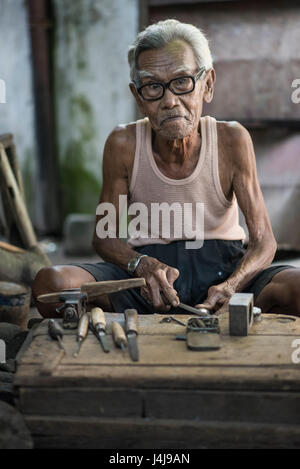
x=66, y=432
x=249, y=383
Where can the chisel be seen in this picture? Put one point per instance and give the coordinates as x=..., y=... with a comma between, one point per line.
x=56, y=332
x=202, y=312
x=131, y=327
x=99, y=323
x=119, y=335
x=83, y=327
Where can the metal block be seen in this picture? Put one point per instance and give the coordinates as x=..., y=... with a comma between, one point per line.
x=240, y=314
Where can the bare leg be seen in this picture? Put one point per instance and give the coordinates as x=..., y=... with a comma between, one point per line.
x=57, y=278
x=282, y=294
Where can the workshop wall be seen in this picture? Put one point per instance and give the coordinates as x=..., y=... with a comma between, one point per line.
x=91, y=89
x=17, y=113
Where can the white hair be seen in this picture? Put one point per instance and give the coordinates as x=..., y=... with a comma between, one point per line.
x=160, y=34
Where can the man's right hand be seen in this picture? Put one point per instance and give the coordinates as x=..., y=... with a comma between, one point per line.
x=159, y=279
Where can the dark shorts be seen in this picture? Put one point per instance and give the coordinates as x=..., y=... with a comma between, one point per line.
x=199, y=269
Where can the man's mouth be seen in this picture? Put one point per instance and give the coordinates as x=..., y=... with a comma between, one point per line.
x=171, y=118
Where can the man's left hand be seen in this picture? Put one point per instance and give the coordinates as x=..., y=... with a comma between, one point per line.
x=217, y=296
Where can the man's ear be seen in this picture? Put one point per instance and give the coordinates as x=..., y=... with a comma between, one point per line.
x=209, y=86
x=138, y=99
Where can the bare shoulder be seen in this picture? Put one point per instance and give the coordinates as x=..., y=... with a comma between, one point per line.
x=119, y=151
x=236, y=143
x=121, y=141
x=233, y=133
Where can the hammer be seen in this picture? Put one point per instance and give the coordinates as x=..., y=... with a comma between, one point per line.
x=92, y=290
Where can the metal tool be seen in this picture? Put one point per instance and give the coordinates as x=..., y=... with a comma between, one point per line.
x=131, y=327
x=56, y=332
x=99, y=324
x=171, y=318
x=202, y=312
x=83, y=327
x=119, y=335
x=202, y=334
x=74, y=305
x=75, y=299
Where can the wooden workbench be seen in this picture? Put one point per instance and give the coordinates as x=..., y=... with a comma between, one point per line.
x=244, y=395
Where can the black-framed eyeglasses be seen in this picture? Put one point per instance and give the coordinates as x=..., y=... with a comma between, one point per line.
x=180, y=85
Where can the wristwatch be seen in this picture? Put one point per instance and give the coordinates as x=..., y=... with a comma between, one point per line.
x=134, y=262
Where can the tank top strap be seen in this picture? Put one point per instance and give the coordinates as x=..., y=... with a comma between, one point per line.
x=140, y=144
x=214, y=158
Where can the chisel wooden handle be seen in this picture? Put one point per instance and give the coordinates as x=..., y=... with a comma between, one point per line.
x=118, y=334
x=131, y=320
x=83, y=326
x=98, y=318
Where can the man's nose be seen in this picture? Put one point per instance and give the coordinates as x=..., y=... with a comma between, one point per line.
x=169, y=99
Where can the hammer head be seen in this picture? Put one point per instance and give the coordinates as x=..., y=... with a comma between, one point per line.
x=240, y=314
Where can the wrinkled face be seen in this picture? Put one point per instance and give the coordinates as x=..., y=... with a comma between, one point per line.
x=173, y=116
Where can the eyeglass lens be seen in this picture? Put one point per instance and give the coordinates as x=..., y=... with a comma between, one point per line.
x=178, y=85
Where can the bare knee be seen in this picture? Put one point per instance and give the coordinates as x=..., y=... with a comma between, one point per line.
x=48, y=280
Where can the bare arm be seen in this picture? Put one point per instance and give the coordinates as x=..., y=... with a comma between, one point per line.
x=262, y=245
x=118, y=152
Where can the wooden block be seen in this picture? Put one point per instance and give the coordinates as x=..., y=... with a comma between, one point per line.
x=240, y=314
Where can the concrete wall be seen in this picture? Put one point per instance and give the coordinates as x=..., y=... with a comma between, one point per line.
x=17, y=114
x=91, y=89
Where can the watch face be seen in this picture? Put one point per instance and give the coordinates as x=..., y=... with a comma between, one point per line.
x=132, y=264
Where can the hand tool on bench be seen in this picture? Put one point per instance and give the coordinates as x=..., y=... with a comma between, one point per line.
x=242, y=313
x=99, y=324
x=131, y=328
x=56, y=333
x=83, y=327
x=171, y=318
x=202, y=312
x=119, y=335
x=202, y=334
x=75, y=299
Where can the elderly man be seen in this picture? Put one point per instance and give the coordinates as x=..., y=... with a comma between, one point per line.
x=176, y=155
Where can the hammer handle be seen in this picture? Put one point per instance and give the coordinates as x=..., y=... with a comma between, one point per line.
x=95, y=289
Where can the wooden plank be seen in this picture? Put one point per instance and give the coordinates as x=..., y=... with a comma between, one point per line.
x=176, y=377
x=259, y=407
x=166, y=351
x=83, y=402
x=75, y=432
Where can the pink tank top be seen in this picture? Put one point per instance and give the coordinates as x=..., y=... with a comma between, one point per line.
x=151, y=195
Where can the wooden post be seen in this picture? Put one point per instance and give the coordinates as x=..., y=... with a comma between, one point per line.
x=16, y=201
